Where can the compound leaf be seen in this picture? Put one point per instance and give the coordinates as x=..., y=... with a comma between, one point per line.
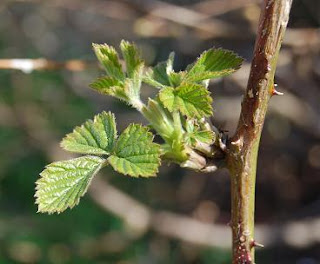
x=135, y=153
x=213, y=63
x=95, y=137
x=63, y=183
x=116, y=83
x=192, y=100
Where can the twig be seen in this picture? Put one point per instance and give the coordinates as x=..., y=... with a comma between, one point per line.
x=190, y=18
x=243, y=148
x=29, y=65
x=218, y=7
x=139, y=219
x=108, y=8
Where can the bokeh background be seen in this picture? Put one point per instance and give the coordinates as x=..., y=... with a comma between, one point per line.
x=180, y=216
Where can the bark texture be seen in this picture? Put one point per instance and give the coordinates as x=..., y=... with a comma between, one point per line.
x=243, y=146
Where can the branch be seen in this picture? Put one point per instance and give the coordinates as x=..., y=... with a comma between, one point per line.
x=243, y=148
x=139, y=219
x=217, y=7
x=188, y=17
x=29, y=65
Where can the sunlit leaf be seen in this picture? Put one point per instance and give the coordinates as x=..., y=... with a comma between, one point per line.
x=192, y=100
x=93, y=137
x=131, y=56
x=63, y=183
x=108, y=57
x=163, y=75
x=135, y=154
x=213, y=63
x=110, y=86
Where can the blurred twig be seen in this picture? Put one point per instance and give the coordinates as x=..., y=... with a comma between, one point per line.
x=218, y=7
x=141, y=218
x=302, y=37
x=29, y=65
x=188, y=17
x=108, y=8
x=292, y=107
x=138, y=217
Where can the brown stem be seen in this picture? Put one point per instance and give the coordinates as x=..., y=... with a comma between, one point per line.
x=243, y=147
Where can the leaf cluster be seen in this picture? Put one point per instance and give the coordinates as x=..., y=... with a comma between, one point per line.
x=177, y=114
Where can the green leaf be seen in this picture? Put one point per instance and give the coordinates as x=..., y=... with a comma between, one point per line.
x=213, y=63
x=163, y=75
x=63, y=183
x=176, y=78
x=108, y=57
x=135, y=154
x=132, y=87
x=158, y=76
x=126, y=88
x=95, y=137
x=195, y=133
x=192, y=100
x=131, y=56
x=110, y=86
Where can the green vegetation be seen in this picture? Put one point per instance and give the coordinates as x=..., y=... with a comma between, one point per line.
x=177, y=114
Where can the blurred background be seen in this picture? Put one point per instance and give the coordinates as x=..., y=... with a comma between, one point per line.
x=180, y=216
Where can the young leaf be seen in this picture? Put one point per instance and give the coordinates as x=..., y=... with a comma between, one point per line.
x=127, y=91
x=132, y=88
x=195, y=133
x=126, y=88
x=108, y=57
x=213, y=63
x=95, y=137
x=63, y=183
x=131, y=56
x=176, y=78
x=192, y=100
x=162, y=74
x=110, y=86
x=159, y=118
x=135, y=154
x=157, y=77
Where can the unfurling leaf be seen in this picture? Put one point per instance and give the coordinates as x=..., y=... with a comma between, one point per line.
x=192, y=100
x=135, y=154
x=95, y=137
x=110, y=86
x=131, y=56
x=108, y=57
x=196, y=133
x=63, y=183
x=163, y=75
x=123, y=86
x=213, y=63
x=132, y=87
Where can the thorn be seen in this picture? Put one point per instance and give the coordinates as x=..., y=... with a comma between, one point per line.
x=210, y=168
x=274, y=91
x=256, y=244
x=238, y=143
x=222, y=145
